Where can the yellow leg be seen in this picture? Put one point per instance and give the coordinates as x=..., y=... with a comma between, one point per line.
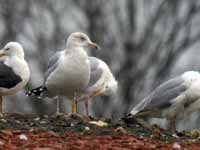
x=1, y=104
x=74, y=107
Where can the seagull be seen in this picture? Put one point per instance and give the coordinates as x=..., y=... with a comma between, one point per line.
x=102, y=82
x=14, y=70
x=68, y=71
x=171, y=98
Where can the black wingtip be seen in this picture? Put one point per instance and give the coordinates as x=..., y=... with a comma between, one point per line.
x=36, y=92
x=29, y=93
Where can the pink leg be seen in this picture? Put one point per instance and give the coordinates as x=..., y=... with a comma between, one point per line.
x=86, y=107
x=83, y=98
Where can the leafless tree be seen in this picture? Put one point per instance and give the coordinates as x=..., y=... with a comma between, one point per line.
x=140, y=39
x=168, y=32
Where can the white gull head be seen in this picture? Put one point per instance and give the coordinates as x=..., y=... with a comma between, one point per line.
x=12, y=49
x=111, y=88
x=79, y=39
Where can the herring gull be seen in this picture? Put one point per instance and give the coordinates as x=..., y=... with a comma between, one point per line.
x=171, y=98
x=14, y=70
x=68, y=71
x=102, y=82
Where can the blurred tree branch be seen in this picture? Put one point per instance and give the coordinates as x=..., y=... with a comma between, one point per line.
x=138, y=60
x=140, y=38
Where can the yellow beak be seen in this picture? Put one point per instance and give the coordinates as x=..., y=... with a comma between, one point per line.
x=93, y=45
x=2, y=53
x=96, y=93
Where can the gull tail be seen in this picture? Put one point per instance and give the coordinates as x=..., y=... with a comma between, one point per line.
x=139, y=107
x=37, y=91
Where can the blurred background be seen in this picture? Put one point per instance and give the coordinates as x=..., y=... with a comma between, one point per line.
x=145, y=42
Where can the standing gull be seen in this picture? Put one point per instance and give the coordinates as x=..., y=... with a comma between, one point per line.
x=68, y=71
x=102, y=81
x=14, y=70
x=171, y=98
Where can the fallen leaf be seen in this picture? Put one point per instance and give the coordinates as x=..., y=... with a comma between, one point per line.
x=99, y=123
x=7, y=132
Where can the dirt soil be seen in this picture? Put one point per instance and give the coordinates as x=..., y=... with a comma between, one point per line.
x=41, y=132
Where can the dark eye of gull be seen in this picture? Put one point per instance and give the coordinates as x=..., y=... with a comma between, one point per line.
x=7, y=49
x=82, y=38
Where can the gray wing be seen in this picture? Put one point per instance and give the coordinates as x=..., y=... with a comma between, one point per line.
x=96, y=71
x=161, y=97
x=8, y=78
x=52, y=64
x=94, y=63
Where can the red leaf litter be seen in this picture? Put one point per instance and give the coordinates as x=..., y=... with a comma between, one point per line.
x=49, y=140
x=65, y=132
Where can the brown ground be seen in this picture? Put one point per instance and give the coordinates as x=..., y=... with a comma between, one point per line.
x=22, y=132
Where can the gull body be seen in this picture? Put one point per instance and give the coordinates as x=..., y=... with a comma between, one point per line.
x=68, y=71
x=71, y=75
x=102, y=82
x=171, y=99
x=14, y=70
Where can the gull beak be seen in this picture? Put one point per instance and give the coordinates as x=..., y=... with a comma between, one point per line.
x=93, y=45
x=2, y=53
x=96, y=93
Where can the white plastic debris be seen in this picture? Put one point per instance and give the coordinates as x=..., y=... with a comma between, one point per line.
x=87, y=128
x=42, y=122
x=175, y=135
x=17, y=121
x=23, y=137
x=72, y=125
x=176, y=146
x=99, y=123
x=37, y=119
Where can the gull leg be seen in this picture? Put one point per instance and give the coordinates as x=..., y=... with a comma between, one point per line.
x=78, y=116
x=172, y=124
x=86, y=107
x=85, y=99
x=1, y=104
x=57, y=106
x=74, y=105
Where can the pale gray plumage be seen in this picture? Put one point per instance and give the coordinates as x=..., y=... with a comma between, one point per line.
x=53, y=62
x=101, y=78
x=68, y=72
x=171, y=98
x=96, y=72
x=162, y=96
x=102, y=81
